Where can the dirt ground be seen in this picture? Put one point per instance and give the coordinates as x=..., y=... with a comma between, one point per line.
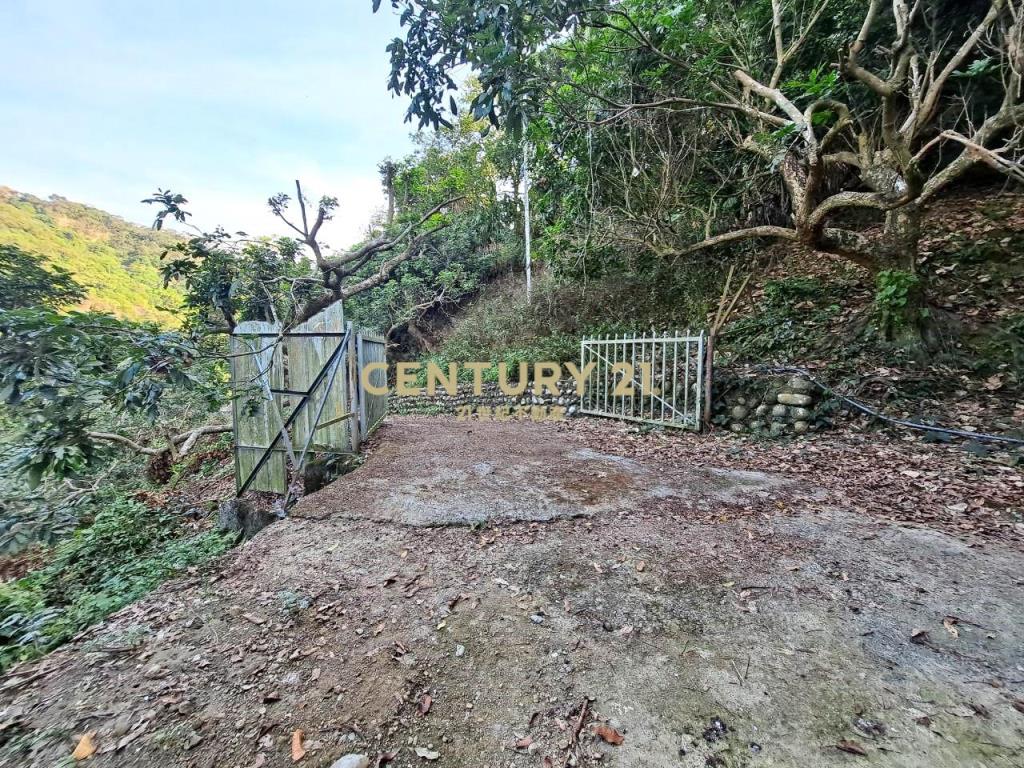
x=519, y=594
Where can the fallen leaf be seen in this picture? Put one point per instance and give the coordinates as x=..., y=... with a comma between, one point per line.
x=85, y=747
x=609, y=734
x=852, y=747
x=425, y=702
x=298, y=752
x=992, y=383
x=640, y=566
x=524, y=742
x=254, y=618
x=427, y=754
x=950, y=624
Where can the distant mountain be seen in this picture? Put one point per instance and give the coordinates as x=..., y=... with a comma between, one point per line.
x=117, y=262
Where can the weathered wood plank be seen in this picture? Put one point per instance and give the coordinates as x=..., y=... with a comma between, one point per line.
x=256, y=364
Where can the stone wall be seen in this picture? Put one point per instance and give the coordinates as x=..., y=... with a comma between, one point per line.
x=491, y=395
x=769, y=406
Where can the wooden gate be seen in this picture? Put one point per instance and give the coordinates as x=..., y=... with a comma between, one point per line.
x=651, y=379
x=299, y=392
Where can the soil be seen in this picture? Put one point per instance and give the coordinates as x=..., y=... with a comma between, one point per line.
x=523, y=594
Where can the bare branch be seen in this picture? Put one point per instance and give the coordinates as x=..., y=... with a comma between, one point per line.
x=778, y=233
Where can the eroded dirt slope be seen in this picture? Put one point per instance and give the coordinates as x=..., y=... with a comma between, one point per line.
x=502, y=594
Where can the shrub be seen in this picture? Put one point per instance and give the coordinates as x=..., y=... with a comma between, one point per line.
x=126, y=552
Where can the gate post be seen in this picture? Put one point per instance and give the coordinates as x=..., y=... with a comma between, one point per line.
x=709, y=365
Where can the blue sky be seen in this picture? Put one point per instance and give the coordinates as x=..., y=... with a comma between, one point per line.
x=225, y=101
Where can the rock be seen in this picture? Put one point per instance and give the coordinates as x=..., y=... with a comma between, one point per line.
x=801, y=414
x=460, y=650
x=779, y=412
x=787, y=398
x=242, y=515
x=737, y=427
x=800, y=385
x=352, y=761
x=800, y=427
x=762, y=409
x=739, y=412
x=777, y=429
x=756, y=425
x=741, y=401
x=537, y=618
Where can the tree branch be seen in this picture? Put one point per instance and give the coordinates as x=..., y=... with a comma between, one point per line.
x=780, y=233
x=186, y=439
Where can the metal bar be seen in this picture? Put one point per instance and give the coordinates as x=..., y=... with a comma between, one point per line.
x=583, y=348
x=297, y=334
x=675, y=372
x=664, y=351
x=700, y=382
x=605, y=379
x=650, y=384
x=364, y=428
x=674, y=424
x=612, y=411
x=686, y=379
x=291, y=418
x=331, y=422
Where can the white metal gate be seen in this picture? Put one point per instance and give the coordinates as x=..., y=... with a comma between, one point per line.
x=652, y=379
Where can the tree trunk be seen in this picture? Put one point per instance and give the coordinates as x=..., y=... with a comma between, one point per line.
x=901, y=298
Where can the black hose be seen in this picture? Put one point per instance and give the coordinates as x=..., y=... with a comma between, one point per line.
x=882, y=417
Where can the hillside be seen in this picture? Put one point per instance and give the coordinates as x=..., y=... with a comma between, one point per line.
x=117, y=262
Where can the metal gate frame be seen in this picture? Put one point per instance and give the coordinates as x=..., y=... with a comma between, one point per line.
x=674, y=396
x=359, y=411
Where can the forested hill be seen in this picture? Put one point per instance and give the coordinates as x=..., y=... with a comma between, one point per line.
x=117, y=262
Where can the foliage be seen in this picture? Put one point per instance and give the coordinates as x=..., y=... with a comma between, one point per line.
x=25, y=282
x=126, y=551
x=669, y=130
x=894, y=306
x=63, y=372
x=117, y=263
x=229, y=280
x=787, y=322
x=458, y=161
x=496, y=38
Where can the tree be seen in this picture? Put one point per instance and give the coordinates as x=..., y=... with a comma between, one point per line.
x=66, y=377
x=387, y=169
x=25, y=282
x=457, y=161
x=219, y=272
x=922, y=93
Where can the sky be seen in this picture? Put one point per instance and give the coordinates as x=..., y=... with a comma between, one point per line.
x=224, y=101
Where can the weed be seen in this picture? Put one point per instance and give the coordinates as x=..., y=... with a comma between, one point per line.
x=126, y=552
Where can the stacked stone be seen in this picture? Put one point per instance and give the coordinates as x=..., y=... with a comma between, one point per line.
x=491, y=395
x=786, y=410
